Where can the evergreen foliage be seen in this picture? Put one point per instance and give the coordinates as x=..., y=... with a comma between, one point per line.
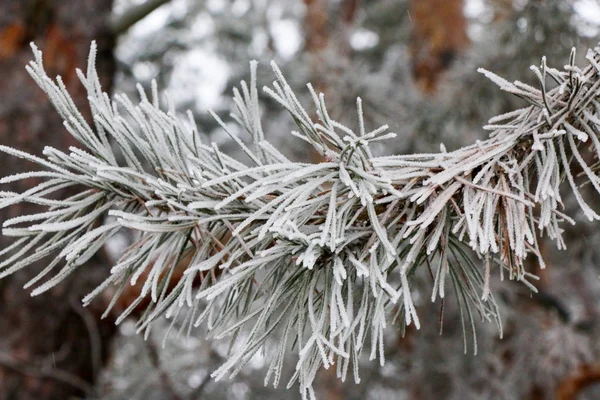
x=323, y=254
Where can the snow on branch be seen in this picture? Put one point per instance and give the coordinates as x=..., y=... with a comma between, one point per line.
x=317, y=256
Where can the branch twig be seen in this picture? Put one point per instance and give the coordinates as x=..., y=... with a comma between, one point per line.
x=167, y=384
x=9, y=362
x=121, y=23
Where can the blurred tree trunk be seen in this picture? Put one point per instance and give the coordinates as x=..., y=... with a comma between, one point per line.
x=327, y=43
x=324, y=32
x=502, y=9
x=316, y=28
x=316, y=40
x=439, y=36
x=50, y=347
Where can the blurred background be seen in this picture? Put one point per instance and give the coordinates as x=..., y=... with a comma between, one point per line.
x=414, y=64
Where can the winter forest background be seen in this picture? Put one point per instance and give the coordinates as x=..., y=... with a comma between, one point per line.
x=414, y=65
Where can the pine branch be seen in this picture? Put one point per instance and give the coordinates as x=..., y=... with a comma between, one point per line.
x=319, y=256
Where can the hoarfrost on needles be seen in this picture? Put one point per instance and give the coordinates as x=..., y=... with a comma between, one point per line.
x=320, y=255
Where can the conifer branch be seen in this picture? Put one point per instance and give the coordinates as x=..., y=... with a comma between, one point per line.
x=318, y=255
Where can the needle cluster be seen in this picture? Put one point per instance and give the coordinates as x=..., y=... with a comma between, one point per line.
x=319, y=256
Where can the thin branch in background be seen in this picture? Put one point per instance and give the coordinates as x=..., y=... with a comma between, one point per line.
x=213, y=359
x=45, y=373
x=93, y=332
x=120, y=24
x=549, y=301
x=154, y=356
